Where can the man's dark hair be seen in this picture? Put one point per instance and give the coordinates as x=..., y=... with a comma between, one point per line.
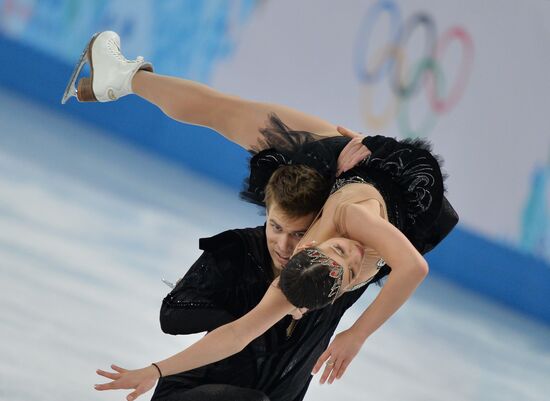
x=298, y=190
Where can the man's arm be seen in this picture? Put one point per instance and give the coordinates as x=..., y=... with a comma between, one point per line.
x=192, y=307
x=237, y=119
x=192, y=319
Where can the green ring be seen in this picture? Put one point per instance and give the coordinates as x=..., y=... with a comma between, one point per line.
x=403, y=113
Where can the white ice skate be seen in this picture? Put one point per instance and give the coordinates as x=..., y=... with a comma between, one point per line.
x=110, y=72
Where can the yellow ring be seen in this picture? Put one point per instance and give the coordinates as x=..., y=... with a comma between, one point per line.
x=377, y=122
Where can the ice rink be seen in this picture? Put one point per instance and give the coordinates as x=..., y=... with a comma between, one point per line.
x=89, y=226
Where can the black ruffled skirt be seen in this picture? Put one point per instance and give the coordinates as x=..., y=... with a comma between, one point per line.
x=406, y=173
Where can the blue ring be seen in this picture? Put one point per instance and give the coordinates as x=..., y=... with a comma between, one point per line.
x=365, y=32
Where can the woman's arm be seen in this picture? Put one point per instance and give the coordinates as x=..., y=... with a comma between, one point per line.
x=237, y=119
x=216, y=345
x=232, y=337
x=409, y=268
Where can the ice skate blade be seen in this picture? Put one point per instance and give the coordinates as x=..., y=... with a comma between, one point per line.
x=168, y=283
x=70, y=90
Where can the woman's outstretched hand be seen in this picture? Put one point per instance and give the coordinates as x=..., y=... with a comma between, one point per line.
x=338, y=356
x=353, y=152
x=141, y=380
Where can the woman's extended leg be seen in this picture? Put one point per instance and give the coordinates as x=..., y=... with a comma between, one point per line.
x=114, y=76
x=237, y=119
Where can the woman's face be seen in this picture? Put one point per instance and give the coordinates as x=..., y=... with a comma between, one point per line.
x=349, y=254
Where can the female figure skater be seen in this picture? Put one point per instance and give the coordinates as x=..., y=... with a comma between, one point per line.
x=380, y=214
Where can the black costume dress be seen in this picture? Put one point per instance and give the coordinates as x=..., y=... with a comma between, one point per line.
x=406, y=173
x=234, y=272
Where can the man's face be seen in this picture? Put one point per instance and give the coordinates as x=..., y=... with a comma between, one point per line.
x=283, y=234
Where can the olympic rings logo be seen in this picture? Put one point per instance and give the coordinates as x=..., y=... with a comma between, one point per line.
x=390, y=60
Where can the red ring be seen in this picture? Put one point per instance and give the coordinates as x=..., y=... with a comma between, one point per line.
x=442, y=105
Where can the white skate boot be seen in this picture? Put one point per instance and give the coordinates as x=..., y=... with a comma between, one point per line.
x=110, y=72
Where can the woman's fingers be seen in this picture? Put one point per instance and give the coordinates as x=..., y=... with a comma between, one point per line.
x=342, y=131
x=324, y=356
x=345, y=155
x=135, y=394
x=108, y=375
x=328, y=368
x=360, y=154
x=343, y=368
x=298, y=313
x=144, y=387
x=118, y=369
x=335, y=370
x=347, y=132
x=355, y=154
x=342, y=158
x=352, y=157
x=106, y=386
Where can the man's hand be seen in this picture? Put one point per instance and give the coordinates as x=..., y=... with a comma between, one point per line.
x=353, y=153
x=141, y=380
x=339, y=355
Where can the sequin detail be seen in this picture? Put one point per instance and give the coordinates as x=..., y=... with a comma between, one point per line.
x=336, y=270
x=379, y=264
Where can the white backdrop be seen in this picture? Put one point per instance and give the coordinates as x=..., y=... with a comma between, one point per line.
x=493, y=139
x=486, y=115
